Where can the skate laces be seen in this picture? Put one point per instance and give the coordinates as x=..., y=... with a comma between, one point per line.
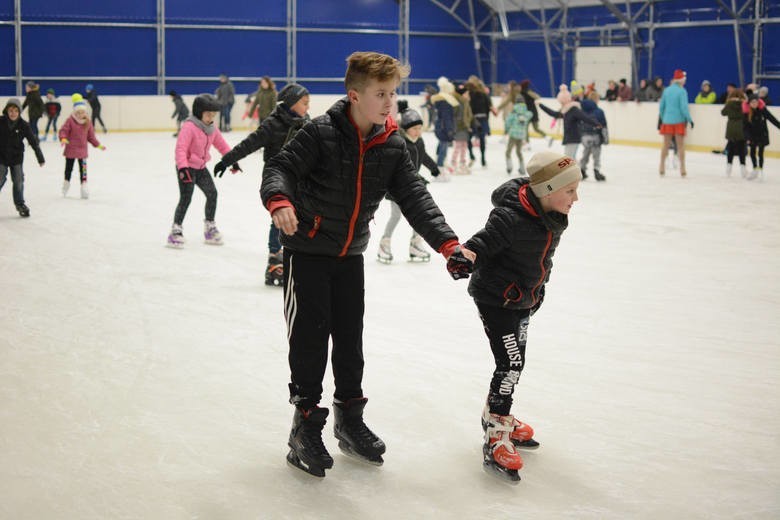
x=499, y=431
x=357, y=429
x=311, y=438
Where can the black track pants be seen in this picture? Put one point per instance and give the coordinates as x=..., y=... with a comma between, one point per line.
x=324, y=299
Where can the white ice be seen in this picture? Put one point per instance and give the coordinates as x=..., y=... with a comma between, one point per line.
x=140, y=382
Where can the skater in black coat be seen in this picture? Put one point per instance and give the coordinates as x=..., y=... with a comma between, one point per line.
x=514, y=258
x=13, y=131
x=274, y=131
x=322, y=190
x=757, y=132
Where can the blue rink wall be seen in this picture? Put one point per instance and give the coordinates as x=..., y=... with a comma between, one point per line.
x=249, y=39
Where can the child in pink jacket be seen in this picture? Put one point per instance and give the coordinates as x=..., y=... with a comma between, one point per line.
x=74, y=135
x=198, y=134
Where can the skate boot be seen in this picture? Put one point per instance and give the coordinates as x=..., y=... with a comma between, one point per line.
x=355, y=439
x=500, y=458
x=274, y=272
x=728, y=169
x=307, y=452
x=65, y=187
x=522, y=434
x=509, y=166
x=599, y=177
x=84, y=190
x=417, y=252
x=211, y=234
x=385, y=254
x=176, y=237
x=23, y=210
x=744, y=172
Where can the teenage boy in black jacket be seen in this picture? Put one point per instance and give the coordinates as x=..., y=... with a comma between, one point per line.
x=322, y=190
x=13, y=131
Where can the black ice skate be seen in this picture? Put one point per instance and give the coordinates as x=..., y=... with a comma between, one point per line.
x=355, y=439
x=599, y=176
x=23, y=210
x=274, y=271
x=307, y=452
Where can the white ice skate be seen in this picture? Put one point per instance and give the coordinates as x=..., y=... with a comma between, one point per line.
x=211, y=234
x=176, y=237
x=84, y=190
x=417, y=251
x=65, y=188
x=385, y=254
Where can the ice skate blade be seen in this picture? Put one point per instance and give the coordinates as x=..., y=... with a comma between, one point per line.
x=385, y=261
x=213, y=242
x=510, y=476
x=295, y=462
x=349, y=452
x=530, y=444
x=174, y=246
x=419, y=259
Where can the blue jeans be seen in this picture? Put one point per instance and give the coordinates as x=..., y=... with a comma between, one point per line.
x=441, y=152
x=273, y=239
x=224, y=116
x=17, y=179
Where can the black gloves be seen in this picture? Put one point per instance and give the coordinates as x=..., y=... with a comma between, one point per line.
x=220, y=168
x=435, y=172
x=458, y=265
x=691, y=123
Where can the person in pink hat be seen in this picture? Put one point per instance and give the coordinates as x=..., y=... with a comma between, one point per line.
x=673, y=119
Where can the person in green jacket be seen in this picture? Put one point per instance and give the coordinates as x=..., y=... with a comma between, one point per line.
x=706, y=95
x=264, y=99
x=735, y=133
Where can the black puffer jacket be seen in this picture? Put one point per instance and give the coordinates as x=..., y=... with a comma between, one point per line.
x=12, y=135
x=419, y=156
x=515, y=249
x=275, y=130
x=335, y=182
x=572, y=116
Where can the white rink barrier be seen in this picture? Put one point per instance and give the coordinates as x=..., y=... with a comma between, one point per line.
x=630, y=122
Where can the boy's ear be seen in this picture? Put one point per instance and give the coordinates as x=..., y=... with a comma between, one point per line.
x=352, y=95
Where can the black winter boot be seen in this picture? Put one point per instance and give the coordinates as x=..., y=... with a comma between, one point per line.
x=355, y=439
x=598, y=175
x=307, y=452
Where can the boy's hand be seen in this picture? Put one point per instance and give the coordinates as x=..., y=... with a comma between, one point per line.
x=286, y=220
x=461, y=263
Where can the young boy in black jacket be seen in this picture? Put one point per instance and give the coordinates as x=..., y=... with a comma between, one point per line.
x=322, y=190
x=280, y=126
x=514, y=258
x=13, y=131
x=411, y=131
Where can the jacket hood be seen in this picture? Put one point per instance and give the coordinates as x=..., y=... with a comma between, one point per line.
x=569, y=106
x=444, y=96
x=517, y=195
x=13, y=102
x=589, y=106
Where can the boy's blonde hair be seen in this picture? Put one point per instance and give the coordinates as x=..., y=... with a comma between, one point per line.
x=365, y=66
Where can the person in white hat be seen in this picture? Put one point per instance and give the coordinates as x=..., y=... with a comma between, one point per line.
x=513, y=261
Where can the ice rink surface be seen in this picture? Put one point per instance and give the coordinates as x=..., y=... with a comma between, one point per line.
x=141, y=382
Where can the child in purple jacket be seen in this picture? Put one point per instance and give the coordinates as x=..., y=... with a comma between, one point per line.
x=197, y=135
x=74, y=136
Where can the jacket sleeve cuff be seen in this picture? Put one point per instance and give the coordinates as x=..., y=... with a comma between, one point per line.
x=448, y=248
x=278, y=202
